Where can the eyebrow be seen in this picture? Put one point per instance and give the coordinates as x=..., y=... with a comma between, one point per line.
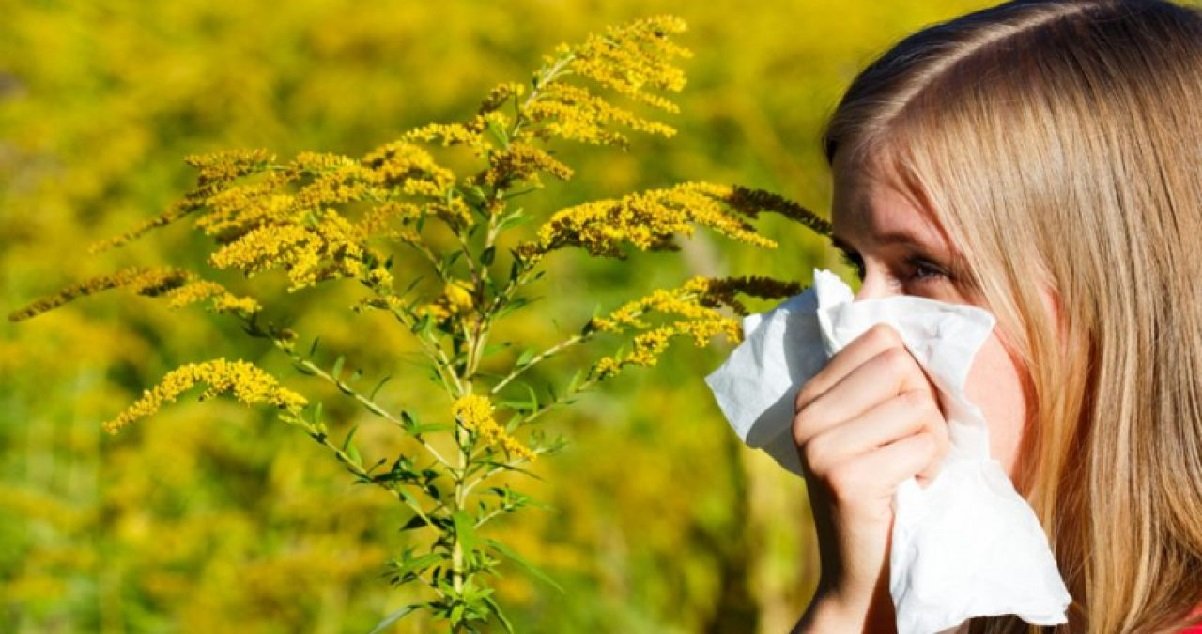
x=890, y=238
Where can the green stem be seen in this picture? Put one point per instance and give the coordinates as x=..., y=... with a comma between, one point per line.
x=369, y=404
x=542, y=356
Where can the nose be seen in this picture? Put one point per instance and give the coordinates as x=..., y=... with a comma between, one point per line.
x=876, y=285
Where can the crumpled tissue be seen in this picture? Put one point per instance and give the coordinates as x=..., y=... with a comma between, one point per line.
x=965, y=545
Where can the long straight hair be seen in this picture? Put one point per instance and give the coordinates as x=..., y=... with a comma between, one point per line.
x=1059, y=143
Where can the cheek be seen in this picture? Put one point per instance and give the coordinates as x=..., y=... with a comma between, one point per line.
x=996, y=385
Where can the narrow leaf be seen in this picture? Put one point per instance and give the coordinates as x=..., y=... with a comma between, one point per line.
x=313, y=348
x=336, y=371
x=496, y=610
x=387, y=622
x=508, y=553
x=349, y=437
x=376, y=389
x=525, y=357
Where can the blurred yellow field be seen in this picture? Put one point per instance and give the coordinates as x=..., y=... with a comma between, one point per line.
x=212, y=517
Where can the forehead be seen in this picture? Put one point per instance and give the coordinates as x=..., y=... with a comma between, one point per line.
x=871, y=206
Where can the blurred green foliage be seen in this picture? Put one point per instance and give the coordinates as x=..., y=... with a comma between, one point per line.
x=212, y=517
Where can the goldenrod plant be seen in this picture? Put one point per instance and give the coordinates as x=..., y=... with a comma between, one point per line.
x=471, y=262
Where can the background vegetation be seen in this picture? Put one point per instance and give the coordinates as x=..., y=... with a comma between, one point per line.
x=213, y=517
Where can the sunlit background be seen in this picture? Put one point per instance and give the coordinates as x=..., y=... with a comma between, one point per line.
x=212, y=517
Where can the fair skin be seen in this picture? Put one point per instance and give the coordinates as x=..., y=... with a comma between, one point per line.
x=871, y=419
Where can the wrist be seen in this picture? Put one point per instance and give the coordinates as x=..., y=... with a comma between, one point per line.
x=830, y=612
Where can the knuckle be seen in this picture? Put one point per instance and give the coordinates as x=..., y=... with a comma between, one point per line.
x=915, y=401
x=897, y=360
x=846, y=481
x=815, y=455
x=926, y=443
x=884, y=334
x=804, y=396
x=803, y=427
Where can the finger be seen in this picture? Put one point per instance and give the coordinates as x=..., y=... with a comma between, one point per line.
x=878, y=473
x=869, y=344
x=899, y=417
x=889, y=373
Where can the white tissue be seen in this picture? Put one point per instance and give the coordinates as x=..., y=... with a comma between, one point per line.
x=966, y=545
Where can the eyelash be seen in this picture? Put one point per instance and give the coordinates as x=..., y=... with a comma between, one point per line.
x=854, y=262
x=920, y=269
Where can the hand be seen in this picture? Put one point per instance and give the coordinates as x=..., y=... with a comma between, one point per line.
x=864, y=424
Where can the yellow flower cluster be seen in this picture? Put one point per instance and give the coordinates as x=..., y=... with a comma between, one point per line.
x=470, y=133
x=192, y=202
x=179, y=286
x=522, y=162
x=216, y=171
x=329, y=247
x=409, y=166
x=221, y=167
x=646, y=350
x=682, y=302
x=690, y=315
x=695, y=311
x=646, y=220
x=475, y=413
x=222, y=300
x=456, y=298
x=347, y=183
x=499, y=95
x=453, y=211
x=685, y=304
x=380, y=221
x=307, y=162
x=631, y=58
x=572, y=112
x=239, y=209
x=247, y=382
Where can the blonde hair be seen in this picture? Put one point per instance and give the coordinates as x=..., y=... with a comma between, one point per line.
x=1059, y=143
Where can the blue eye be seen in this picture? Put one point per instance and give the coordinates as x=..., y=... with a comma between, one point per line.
x=922, y=269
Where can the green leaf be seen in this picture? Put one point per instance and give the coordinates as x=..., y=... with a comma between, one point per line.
x=412, y=503
x=313, y=348
x=337, y=369
x=575, y=380
x=488, y=255
x=346, y=442
x=414, y=522
x=533, y=397
x=376, y=389
x=417, y=280
x=498, y=131
x=352, y=452
x=525, y=357
x=496, y=610
x=465, y=530
x=429, y=428
x=508, y=553
x=512, y=220
x=393, y=617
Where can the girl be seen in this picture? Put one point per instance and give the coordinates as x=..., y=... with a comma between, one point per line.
x=1041, y=159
